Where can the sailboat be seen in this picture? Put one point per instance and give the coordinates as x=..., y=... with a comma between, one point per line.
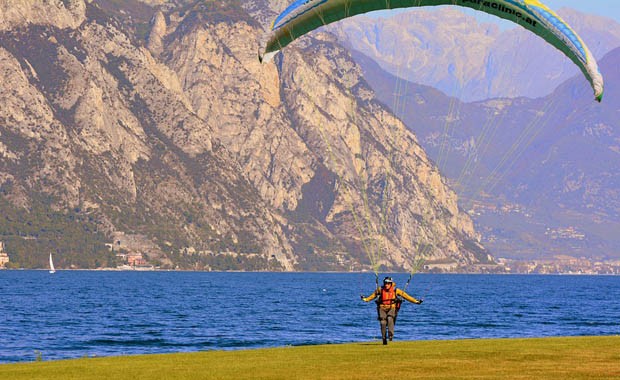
x=52, y=269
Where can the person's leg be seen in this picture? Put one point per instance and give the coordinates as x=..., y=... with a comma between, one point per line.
x=391, y=317
x=383, y=321
x=390, y=326
x=383, y=325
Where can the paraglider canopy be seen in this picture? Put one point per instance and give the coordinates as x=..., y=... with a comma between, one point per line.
x=303, y=16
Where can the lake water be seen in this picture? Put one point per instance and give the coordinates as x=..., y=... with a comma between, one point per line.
x=90, y=313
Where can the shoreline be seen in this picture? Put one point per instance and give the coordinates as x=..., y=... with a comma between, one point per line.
x=303, y=272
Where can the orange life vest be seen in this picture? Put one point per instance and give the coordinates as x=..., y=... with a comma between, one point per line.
x=388, y=297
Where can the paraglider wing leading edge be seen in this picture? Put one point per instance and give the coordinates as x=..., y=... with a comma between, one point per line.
x=304, y=16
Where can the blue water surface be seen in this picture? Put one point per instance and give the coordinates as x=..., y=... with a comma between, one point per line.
x=94, y=313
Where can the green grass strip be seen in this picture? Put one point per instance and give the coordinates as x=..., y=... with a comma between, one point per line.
x=546, y=358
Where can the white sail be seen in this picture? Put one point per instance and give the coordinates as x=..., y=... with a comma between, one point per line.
x=52, y=269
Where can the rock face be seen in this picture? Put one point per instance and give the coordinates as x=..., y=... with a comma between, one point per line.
x=61, y=14
x=208, y=158
x=157, y=32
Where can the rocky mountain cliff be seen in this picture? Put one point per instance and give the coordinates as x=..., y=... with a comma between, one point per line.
x=152, y=129
x=468, y=57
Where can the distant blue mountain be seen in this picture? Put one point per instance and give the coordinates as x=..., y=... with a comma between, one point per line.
x=540, y=176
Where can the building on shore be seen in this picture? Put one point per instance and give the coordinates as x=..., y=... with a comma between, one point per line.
x=136, y=259
x=4, y=257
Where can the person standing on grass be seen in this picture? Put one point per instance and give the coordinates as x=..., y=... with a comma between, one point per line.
x=389, y=298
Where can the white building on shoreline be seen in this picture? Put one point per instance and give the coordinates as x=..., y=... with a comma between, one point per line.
x=4, y=258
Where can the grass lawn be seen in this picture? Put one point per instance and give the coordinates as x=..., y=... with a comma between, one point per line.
x=546, y=358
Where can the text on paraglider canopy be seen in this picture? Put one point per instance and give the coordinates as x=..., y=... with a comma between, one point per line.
x=501, y=8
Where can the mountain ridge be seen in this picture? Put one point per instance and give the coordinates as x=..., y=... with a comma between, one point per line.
x=173, y=144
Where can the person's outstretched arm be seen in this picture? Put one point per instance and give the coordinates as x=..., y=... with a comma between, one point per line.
x=371, y=297
x=406, y=296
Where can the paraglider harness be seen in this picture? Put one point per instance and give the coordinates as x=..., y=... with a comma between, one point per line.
x=389, y=298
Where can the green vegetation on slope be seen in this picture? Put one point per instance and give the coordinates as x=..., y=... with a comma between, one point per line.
x=73, y=236
x=548, y=358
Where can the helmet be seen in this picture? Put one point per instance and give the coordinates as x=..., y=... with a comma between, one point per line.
x=388, y=280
